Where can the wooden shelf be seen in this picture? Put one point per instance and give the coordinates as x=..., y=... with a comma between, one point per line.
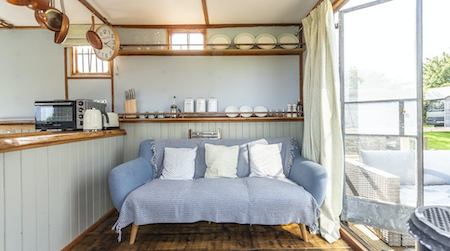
x=208, y=52
x=210, y=119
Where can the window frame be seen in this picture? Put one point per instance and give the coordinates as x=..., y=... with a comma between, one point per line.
x=170, y=32
x=74, y=65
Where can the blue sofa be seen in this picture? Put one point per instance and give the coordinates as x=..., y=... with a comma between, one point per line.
x=143, y=198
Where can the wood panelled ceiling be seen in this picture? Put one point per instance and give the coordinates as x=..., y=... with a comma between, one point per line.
x=171, y=12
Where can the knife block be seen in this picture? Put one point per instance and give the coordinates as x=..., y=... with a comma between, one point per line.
x=130, y=107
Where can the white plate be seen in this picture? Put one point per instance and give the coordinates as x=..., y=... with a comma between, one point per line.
x=245, y=38
x=288, y=38
x=246, y=108
x=260, y=111
x=266, y=39
x=220, y=39
x=232, y=111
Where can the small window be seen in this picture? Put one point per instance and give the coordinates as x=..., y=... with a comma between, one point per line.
x=187, y=40
x=85, y=62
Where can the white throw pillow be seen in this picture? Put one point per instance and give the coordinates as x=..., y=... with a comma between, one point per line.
x=221, y=161
x=179, y=163
x=265, y=161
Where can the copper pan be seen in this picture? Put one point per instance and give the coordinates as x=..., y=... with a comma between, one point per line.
x=38, y=4
x=18, y=2
x=60, y=36
x=50, y=19
x=93, y=38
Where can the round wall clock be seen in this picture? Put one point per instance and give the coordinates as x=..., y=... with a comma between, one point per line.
x=110, y=41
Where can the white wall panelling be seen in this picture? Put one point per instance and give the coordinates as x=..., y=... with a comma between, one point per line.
x=50, y=195
x=137, y=132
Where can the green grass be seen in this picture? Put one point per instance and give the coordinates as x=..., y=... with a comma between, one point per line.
x=438, y=140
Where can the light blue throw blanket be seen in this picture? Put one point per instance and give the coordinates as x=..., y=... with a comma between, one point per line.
x=244, y=200
x=253, y=200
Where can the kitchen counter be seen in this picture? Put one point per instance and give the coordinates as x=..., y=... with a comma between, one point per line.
x=20, y=141
x=17, y=124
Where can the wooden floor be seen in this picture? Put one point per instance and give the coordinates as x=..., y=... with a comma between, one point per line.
x=204, y=236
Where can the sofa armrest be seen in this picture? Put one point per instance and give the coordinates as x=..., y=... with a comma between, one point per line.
x=369, y=182
x=311, y=176
x=128, y=176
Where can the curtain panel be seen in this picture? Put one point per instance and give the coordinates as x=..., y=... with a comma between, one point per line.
x=322, y=140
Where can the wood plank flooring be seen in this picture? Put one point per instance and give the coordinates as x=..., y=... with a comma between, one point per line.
x=204, y=236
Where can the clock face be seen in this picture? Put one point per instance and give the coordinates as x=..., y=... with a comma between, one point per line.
x=110, y=42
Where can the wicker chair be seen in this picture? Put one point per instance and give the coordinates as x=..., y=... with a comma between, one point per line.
x=372, y=183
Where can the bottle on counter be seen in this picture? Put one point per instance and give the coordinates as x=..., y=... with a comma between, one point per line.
x=173, y=108
x=299, y=108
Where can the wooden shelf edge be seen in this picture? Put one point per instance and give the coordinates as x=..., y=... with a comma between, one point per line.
x=209, y=52
x=211, y=120
x=21, y=142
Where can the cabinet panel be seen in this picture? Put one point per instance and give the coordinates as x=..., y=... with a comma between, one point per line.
x=13, y=203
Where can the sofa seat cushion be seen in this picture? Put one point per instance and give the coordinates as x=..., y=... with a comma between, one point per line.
x=254, y=200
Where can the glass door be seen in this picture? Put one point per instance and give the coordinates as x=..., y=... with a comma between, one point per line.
x=381, y=97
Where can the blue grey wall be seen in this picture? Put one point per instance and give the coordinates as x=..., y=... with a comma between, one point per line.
x=270, y=81
x=31, y=68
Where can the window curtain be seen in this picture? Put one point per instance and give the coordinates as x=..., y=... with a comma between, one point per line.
x=322, y=139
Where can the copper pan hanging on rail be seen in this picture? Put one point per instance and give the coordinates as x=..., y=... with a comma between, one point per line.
x=50, y=19
x=60, y=36
x=93, y=38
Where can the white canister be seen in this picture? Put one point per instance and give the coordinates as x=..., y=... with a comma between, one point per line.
x=200, y=105
x=212, y=105
x=189, y=105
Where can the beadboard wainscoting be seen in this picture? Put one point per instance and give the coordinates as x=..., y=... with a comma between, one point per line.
x=50, y=195
x=137, y=132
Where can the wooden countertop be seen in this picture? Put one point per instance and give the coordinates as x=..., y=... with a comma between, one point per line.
x=21, y=141
x=16, y=124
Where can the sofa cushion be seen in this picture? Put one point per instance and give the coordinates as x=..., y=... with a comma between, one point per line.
x=179, y=163
x=399, y=163
x=221, y=161
x=243, y=168
x=265, y=160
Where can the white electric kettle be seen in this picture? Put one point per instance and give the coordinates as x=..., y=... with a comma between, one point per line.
x=92, y=120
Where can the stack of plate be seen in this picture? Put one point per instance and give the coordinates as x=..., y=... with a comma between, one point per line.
x=266, y=39
x=288, y=38
x=223, y=40
x=245, y=38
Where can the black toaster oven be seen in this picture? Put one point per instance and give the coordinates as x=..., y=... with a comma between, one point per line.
x=55, y=114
